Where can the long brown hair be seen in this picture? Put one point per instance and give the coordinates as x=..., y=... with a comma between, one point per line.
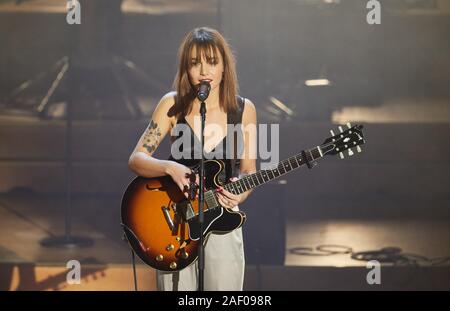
x=207, y=41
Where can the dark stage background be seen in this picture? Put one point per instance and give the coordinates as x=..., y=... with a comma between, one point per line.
x=113, y=68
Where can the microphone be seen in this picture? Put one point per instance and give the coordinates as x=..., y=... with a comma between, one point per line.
x=203, y=90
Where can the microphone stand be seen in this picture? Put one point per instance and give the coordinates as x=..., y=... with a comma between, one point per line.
x=201, y=202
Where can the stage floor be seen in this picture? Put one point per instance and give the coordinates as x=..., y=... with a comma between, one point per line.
x=332, y=242
x=28, y=219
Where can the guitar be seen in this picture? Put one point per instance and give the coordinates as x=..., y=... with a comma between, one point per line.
x=161, y=224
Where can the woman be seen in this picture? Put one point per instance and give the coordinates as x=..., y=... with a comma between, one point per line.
x=204, y=56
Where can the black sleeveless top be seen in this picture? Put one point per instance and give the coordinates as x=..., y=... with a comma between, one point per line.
x=187, y=150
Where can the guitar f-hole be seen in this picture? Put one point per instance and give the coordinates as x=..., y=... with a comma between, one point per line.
x=166, y=214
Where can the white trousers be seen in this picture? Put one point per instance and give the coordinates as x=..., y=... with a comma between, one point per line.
x=224, y=267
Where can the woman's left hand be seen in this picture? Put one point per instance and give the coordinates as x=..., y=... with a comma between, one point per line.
x=228, y=199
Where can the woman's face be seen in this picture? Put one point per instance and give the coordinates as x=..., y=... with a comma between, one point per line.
x=204, y=69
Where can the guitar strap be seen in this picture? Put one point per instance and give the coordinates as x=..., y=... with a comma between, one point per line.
x=236, y=118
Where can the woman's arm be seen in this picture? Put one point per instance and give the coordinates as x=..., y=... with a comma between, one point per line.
x=141, y=160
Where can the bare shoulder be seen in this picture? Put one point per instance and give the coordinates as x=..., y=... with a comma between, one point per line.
x=162, y=109
x=249, y=113
x=168, y=100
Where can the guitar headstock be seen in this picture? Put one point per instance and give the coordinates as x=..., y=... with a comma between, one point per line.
x=345, y=140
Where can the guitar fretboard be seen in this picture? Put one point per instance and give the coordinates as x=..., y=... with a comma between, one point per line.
x=263, y=176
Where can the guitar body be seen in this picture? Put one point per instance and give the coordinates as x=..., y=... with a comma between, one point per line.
x=161, y=225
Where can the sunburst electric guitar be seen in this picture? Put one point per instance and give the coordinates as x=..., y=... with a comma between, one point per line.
x=161, y=224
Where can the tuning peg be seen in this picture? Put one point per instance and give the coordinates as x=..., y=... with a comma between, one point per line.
x=358, y=148
x=349, y=125
x=332, y=133
x=350, y=152
x=341, y=155
x=340, y=128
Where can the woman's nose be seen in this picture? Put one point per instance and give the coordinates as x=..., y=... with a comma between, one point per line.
x=202, y=69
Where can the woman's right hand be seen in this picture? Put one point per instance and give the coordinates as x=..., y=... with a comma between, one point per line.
x=180, y=175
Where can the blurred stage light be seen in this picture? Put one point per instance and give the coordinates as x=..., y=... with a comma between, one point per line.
x=281, y=106
x=317, y=82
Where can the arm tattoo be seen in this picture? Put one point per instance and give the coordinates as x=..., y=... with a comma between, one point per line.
x=151, y=137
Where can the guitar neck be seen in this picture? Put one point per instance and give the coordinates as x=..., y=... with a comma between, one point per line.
x=283, y=167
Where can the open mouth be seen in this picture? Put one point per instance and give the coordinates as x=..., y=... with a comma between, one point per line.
x=206, y=80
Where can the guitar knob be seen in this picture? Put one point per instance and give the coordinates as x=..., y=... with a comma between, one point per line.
x=341, y=155
x=358, y=148
x=350, y=152
x=170, y=247
x=173, y=265
x=159, y=257
x=184, y=254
